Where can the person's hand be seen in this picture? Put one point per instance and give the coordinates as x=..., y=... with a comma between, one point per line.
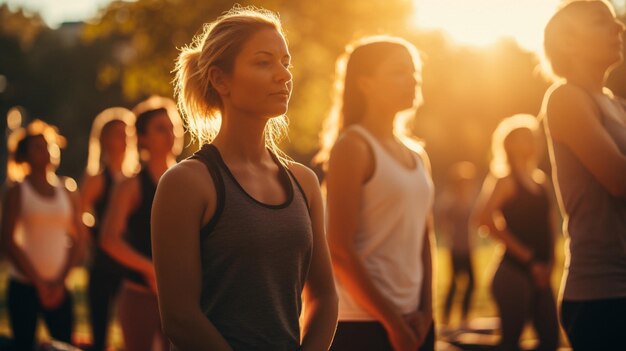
x=51, y=295
x=150, y=277
x=540, y=273
x=402, y=337
x=420, y=323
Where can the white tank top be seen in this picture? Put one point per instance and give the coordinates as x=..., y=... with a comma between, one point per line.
x=42, y=231
x=396, y=202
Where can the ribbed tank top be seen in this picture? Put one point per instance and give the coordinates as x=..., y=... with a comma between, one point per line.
x=394, y=208
x=42, y=230
x=527, y=216
x=138, y=225
x=594, y=221
x=255, y=260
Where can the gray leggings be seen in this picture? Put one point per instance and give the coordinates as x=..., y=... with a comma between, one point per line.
x=139, y=318
x=518, y=301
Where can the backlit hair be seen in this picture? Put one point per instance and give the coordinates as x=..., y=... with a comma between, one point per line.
x=218, y=46
x=104, y=120
x=361, y=58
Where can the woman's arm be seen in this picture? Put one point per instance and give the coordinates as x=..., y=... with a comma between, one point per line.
x=185, y=199
x=79, y=248
x=349, y=167
x=320, y=296
x=573, y=119
x=124, y=200
x=90, y=190
x=495, y=192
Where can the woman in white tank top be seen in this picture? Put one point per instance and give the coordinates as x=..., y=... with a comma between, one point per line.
x=40, y=228
x=379, y=196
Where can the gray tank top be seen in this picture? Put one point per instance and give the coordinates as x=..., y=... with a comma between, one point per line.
x=594, y=221
x=255, y=260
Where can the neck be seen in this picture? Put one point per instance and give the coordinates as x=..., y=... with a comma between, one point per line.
x=522, y=167
x=114, y=164
x=589, y=78
x=379, y=122
x=158, y=164
x=38, y=176
x=242, y=138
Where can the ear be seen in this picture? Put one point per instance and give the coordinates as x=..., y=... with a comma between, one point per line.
x=219, y=81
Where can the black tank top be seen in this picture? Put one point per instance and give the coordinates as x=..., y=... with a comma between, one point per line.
x=138, y=225
x=100, y=205
x=255, y=260
x=527, y=217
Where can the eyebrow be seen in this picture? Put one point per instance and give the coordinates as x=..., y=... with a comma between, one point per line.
x=262, y=52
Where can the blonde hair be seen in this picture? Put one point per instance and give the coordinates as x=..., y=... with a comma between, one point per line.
x=103, y=121
x=361, y=58
x=500, y=165
x=217, y=46
x=153, y=103
x=17, y=169
x=555, y=59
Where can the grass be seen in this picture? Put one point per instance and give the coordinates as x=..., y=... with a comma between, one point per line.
x=484, y=260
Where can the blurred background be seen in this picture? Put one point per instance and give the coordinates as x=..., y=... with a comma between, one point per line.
x=64, y=61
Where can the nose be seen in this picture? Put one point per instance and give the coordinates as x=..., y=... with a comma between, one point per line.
x=284, y=75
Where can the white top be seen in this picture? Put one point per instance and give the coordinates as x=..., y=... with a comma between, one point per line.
x=42, y=231
x=395, y=205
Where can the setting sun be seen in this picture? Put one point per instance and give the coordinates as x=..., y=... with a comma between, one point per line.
x=483, y=22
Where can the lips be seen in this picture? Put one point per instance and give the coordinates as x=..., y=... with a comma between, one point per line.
x=282, y=92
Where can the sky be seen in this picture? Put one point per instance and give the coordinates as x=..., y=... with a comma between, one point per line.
x=55, y=12
x=471, y=22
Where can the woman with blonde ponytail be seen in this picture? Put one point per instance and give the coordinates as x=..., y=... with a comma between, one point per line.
x=238, y=231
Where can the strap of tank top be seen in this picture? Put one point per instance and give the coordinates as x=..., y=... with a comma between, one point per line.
x=364, y=133
x=295, y=180
x=207, y=155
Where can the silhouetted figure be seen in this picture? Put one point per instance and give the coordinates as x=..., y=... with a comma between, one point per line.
x=586, y=129
x=515, y=207
x=454, y=222
x=112, y=158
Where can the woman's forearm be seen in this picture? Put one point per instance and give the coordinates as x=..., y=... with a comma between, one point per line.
x=320, y=322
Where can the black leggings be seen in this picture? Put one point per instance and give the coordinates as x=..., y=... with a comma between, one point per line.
x=461, y=265
x=24, y=308
x=105, y=277
x=518, y=301
x=595, y=324
x=370, y=336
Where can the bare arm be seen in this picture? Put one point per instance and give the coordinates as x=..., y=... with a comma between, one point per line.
x=124, y=200
x=495, y=192
x=574, y=120
x=320, y=297
x=79, y=236
x=90, y=190
x=179, y=211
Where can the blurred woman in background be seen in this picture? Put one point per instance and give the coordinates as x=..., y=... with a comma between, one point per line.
x=112, y=158
x=514, y=206
x=42, y=234
x=126, y=229
x=379, y=200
